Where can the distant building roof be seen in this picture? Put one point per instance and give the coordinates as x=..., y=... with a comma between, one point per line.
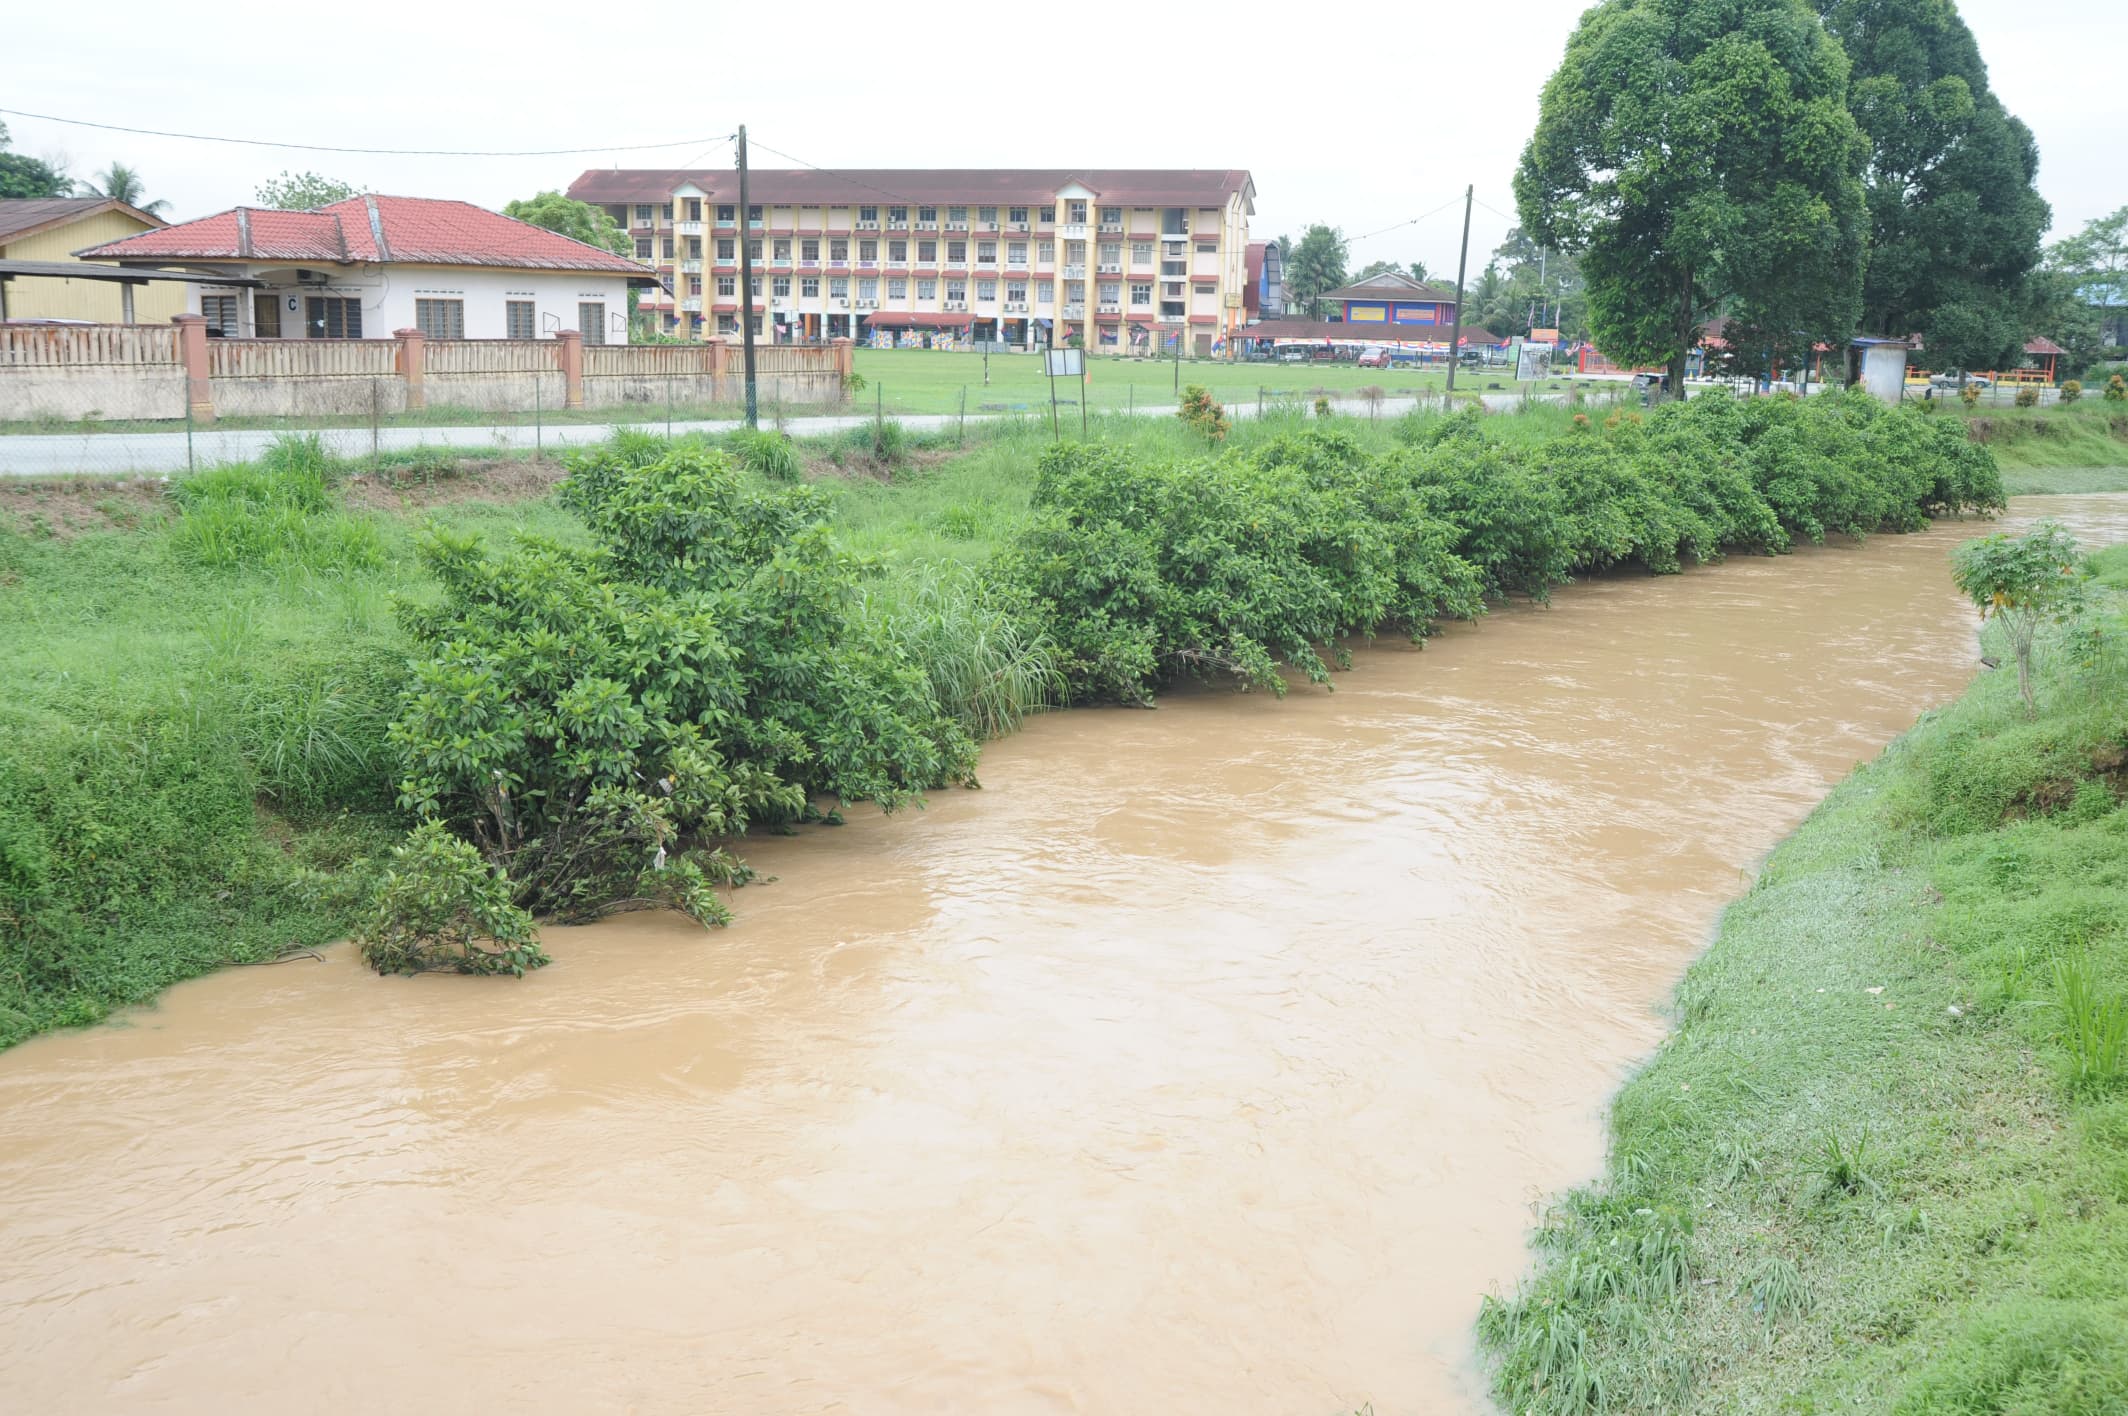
x=1391, y=285
x=2043, y=346
x=368, y=229
x=1367, y=333
x=925, y=186
x=25, y=216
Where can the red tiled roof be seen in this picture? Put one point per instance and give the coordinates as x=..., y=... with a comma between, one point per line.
x=1392, y=285
x=369, y=229
x=2041, y=345
x=895, y=318
x=1330, y=331
x=920, y=186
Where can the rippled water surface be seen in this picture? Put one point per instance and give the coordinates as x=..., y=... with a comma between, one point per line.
x=1210, y=1059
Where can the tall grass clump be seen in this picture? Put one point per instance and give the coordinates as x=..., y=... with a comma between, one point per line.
x=985, y=663
x=766, y=453
x=278, y=511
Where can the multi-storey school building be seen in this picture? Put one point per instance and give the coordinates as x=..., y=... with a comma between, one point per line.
x=1126, y=259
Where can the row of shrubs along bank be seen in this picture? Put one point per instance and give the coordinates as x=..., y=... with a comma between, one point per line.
x=1882, y=1162
x=219, y=719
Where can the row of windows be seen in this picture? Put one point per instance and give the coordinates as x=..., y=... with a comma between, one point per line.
x=986, y=252
x=898, y=289
x=1173, y=219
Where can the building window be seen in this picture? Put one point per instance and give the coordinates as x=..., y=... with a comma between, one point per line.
x=1016, y=252
x=839, y=250
x=927, y=253
x=1205, y=250
x=986, y=290
x=519, y=320
x=809, y=249
x=753, y=249
x=1112, y=253
x=809, y=287
x=753, y=216
x=1111, y=216
x=868, y=250
x=839, y=287
x=754, y=286
x=619, y=214
x=591, y=320
x=897, y=290
x=727, y=213
x=1018, y=213
x=927, y=290
x=694, y=248
x=693, y=208
x=332, y=317
x=1174, y=221
x=440, y=319
x=642, y=248
x=927, y=213
x=783, y=248
x=868, y=289
x=865, y=213
x=727, y=324
x=782, y=286
x=1043, y=295
x=986, y=214
x=1049, y=214
x=694, y=284
x=1017, y=294
x=665, y=211
x=1111, y=293
x=956, y=290
x=956, y=253
x=897, y=213
x=727, y=286
x=727, y=249
x=1141, y=253
x=954, y=213
x=221, y=313
x=642, y=214
x=1141, y=294
x=986, y=252
x=669, y=247
x=1045, y=251
x=897, y=252
x=1075, y=213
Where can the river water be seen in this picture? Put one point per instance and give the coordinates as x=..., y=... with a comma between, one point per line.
x=1210, y=1059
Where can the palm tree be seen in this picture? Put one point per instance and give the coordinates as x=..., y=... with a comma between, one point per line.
x=122, y=184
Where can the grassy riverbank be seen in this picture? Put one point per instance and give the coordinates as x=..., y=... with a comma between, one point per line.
x=196, y=679
x=1882, y=1163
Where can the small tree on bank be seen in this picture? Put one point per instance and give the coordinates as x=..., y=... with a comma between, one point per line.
x=2024, y=582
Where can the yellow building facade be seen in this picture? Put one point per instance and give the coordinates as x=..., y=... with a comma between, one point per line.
x=52, y=229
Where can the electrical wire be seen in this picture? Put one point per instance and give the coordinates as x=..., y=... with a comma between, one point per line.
x=1399, y=225
x=370, y=152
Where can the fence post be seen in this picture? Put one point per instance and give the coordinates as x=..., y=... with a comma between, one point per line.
x=539, y=414
x=192, y=353
x=569, y=347
x=410, y=361
x=845, y=360
x=668, y=406
x=375, y=398
x=960, y=432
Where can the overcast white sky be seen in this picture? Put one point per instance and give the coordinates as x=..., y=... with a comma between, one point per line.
x=990, y=85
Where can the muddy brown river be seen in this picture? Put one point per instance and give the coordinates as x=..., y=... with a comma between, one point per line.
x=1211, y=1059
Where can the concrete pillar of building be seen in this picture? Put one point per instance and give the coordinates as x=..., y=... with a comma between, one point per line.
x=410, y=362
x=192, y=353
x=569, y=353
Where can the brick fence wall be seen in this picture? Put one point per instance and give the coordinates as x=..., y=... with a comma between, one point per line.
x=91, y=372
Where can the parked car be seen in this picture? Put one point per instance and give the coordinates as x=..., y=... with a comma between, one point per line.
x=1375, y=358
x=1950, y=380
x=1296, y=354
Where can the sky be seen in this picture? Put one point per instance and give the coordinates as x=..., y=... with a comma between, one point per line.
x=1324, y=117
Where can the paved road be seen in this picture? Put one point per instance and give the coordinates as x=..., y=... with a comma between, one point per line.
x=133, y=454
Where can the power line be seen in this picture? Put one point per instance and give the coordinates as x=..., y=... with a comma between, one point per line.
x=1499, y=213
x=1399, y=225
x=362, y=151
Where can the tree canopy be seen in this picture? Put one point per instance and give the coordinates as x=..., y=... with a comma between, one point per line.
x=1314, y=264
x=578, y=220
x=304, y=191
x=1699, y=156
x=22, y=176
x=1954, y=220
x=1415, y=269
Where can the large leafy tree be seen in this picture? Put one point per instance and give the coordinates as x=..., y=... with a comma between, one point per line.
x=1955, y=222
x=123, y=184
x=303, y=191
x=2082, y=277
x=1314, y=264
x=22, y=176
x=1698, y=156
x=580, y=221
x=1415, y=269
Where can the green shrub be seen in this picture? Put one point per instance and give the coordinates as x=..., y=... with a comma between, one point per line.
x=596, y=720
x=439, y=906
x=2027, y=396
x=2071, y=390
x=1322, y=407
x=2116, y=389
x=1202, y=413
x=1969, y=394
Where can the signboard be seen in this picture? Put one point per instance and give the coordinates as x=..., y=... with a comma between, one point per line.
x=1064, y=363
x=1545, y=336
x=1532, y=362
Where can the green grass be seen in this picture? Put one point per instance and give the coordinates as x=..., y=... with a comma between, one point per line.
x=1893, y=1119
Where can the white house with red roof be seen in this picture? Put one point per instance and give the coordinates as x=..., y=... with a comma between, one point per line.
x=371, y=265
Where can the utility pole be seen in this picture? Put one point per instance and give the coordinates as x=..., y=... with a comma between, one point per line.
x=1455, y=334
x=746, y=287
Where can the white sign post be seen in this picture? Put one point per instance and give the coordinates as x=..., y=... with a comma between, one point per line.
x=1064, y=364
